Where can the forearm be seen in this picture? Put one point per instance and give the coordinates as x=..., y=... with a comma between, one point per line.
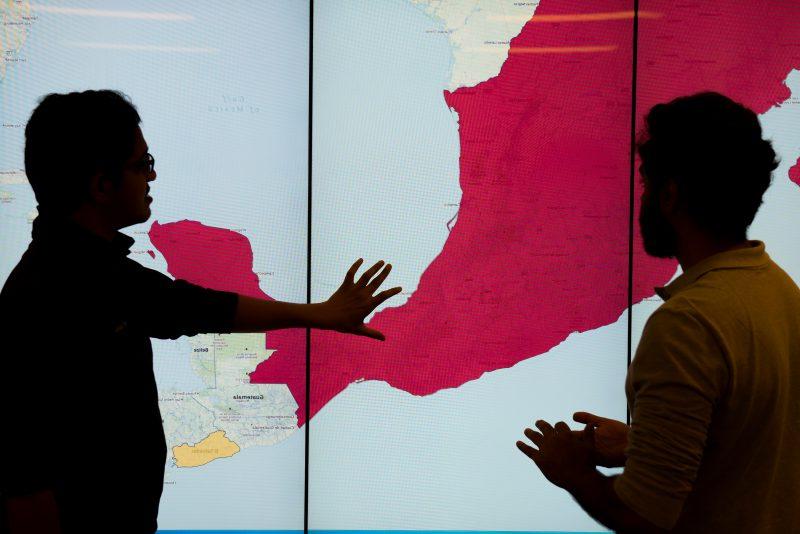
x=595, y=493
x=257, y=315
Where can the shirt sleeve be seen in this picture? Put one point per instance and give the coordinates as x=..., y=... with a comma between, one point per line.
x=171, y=308
x=677, y=377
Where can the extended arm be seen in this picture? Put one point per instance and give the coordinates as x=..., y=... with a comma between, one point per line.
x=344, y=311
x=258, y=315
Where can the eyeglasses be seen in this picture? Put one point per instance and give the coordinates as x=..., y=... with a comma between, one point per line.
x=147, y=163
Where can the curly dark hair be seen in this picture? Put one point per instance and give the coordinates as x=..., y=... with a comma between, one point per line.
x=712, y=148
x=70, y=137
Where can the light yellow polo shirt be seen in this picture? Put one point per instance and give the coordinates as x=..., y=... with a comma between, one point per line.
x=714, y=394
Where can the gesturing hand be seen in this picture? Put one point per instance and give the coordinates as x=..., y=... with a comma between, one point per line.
x=610, y=438
x=563, y=456
x=346, y=309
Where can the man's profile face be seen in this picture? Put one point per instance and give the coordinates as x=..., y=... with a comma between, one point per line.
x=130, y=199
x=658, y=236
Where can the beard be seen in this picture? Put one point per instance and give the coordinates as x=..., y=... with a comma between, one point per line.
x=658, y=236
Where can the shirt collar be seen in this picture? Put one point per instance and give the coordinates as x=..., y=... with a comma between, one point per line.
x=753, y=255
x=61, y=232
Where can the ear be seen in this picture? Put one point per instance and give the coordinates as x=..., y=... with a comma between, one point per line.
x=99, y=188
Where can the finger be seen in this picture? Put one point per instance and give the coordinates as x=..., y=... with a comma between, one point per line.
x=529, y=451
x=544, y=427
x=586, y=418
x=351, y=273
x=369, y=273
x=534, y=436
x=366, y=331
x=561, y=427
x=376, y=283
x=381, y=297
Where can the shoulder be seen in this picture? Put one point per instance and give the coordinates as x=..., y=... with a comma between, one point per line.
x=28, y=276
x=142, y=277
x=712, y=304
x=690, y=310
x=681, y=344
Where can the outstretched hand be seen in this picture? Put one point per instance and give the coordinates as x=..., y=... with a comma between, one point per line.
x=347, y=308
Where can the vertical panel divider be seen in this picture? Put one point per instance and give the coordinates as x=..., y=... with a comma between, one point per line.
x=308, y=258
x=632, y=191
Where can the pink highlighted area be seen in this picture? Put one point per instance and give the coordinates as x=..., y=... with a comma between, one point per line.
x=794, y=172
x=540, y=247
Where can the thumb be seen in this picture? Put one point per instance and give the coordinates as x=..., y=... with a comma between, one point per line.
x=366, y=331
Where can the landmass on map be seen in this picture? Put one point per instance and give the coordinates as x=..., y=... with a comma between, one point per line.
x=540, y=249
x=16, y=18
x=251, y=414
x=480, y=32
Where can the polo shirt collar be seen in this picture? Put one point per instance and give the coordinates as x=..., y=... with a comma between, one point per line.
x=754, y=255
x=61, y=232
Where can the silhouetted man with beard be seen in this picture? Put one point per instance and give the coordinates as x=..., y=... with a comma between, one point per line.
x=83, y=447
x=714, y=388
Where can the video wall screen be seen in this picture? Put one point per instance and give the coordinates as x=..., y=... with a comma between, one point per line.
x=222, y=89
x=487, y=155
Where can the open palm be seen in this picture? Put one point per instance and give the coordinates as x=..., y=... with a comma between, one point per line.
x=349, y=305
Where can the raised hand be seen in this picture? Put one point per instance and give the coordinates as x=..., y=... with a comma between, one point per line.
x=610, y=438
x=346, y=309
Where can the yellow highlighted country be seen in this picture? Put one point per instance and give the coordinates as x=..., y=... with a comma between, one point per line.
x=216, y=445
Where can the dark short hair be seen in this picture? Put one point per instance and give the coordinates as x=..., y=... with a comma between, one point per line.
x=70, y=137
x=712, y=148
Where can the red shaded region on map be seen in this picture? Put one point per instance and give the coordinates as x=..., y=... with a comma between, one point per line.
x=223, y=259
x=540, y=247
x=794, y=172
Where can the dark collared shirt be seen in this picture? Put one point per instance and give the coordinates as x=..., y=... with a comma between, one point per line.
x=78, y=397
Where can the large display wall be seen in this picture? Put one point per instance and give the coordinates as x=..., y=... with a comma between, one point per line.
x=483, y=147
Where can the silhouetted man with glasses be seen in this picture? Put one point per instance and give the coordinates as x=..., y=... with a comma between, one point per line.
x=83, y=447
